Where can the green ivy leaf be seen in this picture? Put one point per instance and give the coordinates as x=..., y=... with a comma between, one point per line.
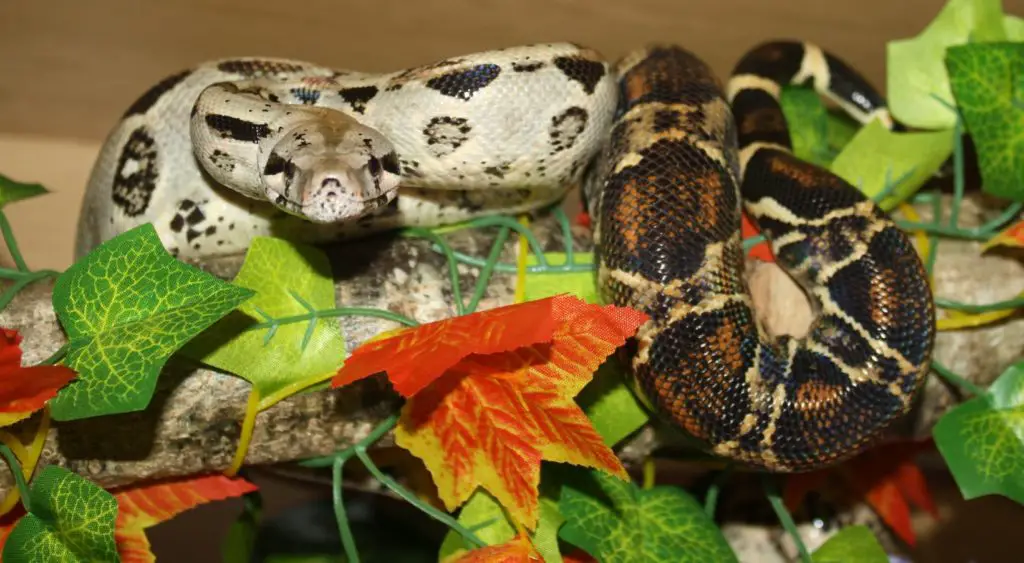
x=807, y=120
x=988, y=83
x=487, y=519
x=582, y=283
x=240, y=541
x=611, y=405
x=879, y=161
x=72, y=520
x=982, y=440
x=1014, y=28
x=916, y=74
x=841, y=130
x=617, y=521
x=853, y=544
x=12, y=190
x=279, y=359
x=126, y=307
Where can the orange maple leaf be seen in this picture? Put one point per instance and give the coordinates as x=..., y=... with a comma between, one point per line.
x=885, y=477
x=416, y=356
x=517, y=550
x=1012, y=236
x=761, y=251
x=139, y=508
x=491, y=419
x=24, y=390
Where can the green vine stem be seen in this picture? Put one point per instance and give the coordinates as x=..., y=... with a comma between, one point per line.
x=12, y=243
x=56, y=356
x=485, y=273
x=348, y=542
x=359, y=449
x=785, y=518
x=1015, y=303
x=404, y=493
x=19, y=479
x=957, y=380
x=711, y=498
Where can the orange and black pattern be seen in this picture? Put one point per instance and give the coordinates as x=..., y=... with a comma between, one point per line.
x=666, y=197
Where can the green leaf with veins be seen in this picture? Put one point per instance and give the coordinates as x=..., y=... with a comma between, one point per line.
x=486, y=517
x=982, y=440
x=988, y=83
x=617, y=521
x=880, y=161
x=916, y=75
x=276, y=341
x=72, y=520
x=127, y=307
x=807, y=120
x=853, y=544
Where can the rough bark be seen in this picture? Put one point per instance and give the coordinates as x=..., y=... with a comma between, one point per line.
x=193, y=422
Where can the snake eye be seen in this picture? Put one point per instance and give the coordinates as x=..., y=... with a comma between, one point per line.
x=374, y=166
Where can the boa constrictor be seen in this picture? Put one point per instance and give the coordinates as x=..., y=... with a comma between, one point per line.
x=666, y=157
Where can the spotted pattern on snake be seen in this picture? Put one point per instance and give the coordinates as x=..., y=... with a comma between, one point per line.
x=231, y=149
x=684, y=157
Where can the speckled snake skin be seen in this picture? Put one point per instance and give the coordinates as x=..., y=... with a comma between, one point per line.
x=236, y=148
x=666, y=195
x=667, y=158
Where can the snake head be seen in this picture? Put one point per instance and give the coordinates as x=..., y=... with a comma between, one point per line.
x=331, y=172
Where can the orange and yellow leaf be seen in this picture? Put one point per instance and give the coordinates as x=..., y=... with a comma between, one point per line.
x=416, y=356
x=1012, y=236
x=491, y=419
x=139, y=508
x=24, y=390
x=516, y=550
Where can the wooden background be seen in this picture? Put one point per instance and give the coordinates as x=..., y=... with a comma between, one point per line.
x=69, y=68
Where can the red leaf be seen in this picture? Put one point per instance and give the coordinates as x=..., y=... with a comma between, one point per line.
x=416, y=356
x=7, y=522
x=799, y=484
x=885, y=477
x=578, y=556
x=491, y=419
x=517, y=550
x=761, y=251
x=878, y=476
x=139, y=508
x=24, y=390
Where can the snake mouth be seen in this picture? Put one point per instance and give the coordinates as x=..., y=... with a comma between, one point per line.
x=308, y=211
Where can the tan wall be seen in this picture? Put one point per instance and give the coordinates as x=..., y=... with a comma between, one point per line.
x=69, y=67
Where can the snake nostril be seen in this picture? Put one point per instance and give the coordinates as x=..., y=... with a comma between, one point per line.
x=330, y=182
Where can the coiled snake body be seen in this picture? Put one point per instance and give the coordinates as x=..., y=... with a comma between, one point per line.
x=236, y=148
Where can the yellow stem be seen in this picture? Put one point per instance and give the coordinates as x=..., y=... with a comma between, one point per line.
x=648, y=472
x=28, y=457
x=524, y=246
x=248, y=423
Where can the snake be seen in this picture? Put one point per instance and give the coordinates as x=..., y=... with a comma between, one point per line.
x=686, y=157
x=667, y=161
x=235, y=148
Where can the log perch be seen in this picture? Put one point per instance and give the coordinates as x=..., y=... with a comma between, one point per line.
x=193, y=422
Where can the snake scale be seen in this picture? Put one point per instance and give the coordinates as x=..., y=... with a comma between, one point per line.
x=666, y=158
